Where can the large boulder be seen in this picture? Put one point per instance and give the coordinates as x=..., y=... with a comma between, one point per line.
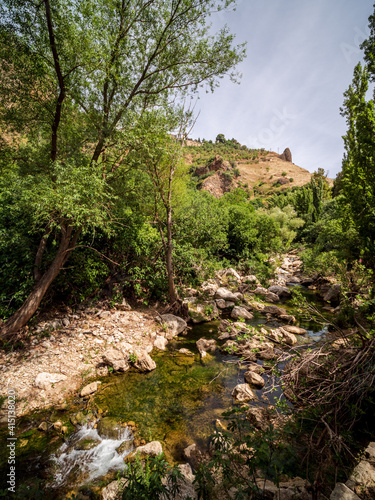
x=204, y=311
x=240, y=312
x=45, y=380
x=225, y=294
x=281, y=291
x=174, y=325
x=332, y=294
x=233, y=274
x=160, y=343
x=342, y=492
x=110, y=428
x=114, y=489
x=254, y=379
x=152, y=449
x=296, y=330
x=243, y=392
x=271, y=297
x=209, y=287
x=143, y=362
x=119, y=360
x=274, y=310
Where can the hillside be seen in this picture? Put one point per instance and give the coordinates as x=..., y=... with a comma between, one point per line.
x=223, y=167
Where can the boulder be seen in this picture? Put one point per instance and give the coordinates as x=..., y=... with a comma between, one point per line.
x=288, y=318
x=240, y=312
x=185, y=352
x=144, y=362
x=221, y=304
x=281, y=291
x=275, y=335
x=194, y=456
x=124, y=306
x=90, y=389
x=254, y=367
x=119, y=360
x=204, y=311
x=286, y=155
x=258, y=416
x=205, y=346
x=174, y=324
x=233, y=274
x=362, y=478
x=113, y=490
x=243, y=392
x=152, y=449
x=342, y=492
x=186, y=486
x=209, y=287
x=45, y=380
x=289, y=338
x=260, y=291
x=125, y=446
x=274, y=310
x=225, y=294
x=160, y=343
x=271, y=297
x=296, y=330
x=110, y=428
x=254, y=379
x=332, y=294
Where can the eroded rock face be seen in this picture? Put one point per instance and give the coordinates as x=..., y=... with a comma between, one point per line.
x=243, y=392
x=144, y=362
x=45, y=380
x=286, y=155
x=174, y=324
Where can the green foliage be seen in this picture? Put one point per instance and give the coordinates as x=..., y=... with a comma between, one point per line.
x=240, y=454
x=145, y=480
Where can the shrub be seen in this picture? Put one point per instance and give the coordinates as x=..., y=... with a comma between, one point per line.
x=283, y=174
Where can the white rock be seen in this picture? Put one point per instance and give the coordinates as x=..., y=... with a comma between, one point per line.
x=45, y=380
x=240, y=312
x=174, y=324
x=119, y=360
x=243, y=392
x=90, y=389
x=160, y=343
x=253, y=378
x=144, y=362
x=225, y=294
x=112, y=490
x=342, y=492
x=234, y=273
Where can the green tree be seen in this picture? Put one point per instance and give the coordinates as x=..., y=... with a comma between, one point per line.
x=75, y=77
x=358, y=181
x=220, y=138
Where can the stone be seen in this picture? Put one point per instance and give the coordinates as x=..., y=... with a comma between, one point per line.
x=221, y=304
x=250, y=279
x=225, y=294
x=281, y=291
x=124, y=306
x=370, y=451
x=294, y=329
x=362, y=477
x=266, y=354
x=289, y=338
x=271, y=297
x=186, y=486
x=258, y=417
x=125, y=446
x=204, y=311
x=45, y=380
x=193, y=455
x=254, y=367
x=152, y=449
x=275, y=335
x=102, y=371
x=243, y=392
x=342, y=492
x=113, y=490
x=209, y=287
x=174, y=324
x=288, y=318
x=286, y=155
x=43, y=426
x=185, y=352
x=160, y=343
x=332, y=294
x=240, y=312
x=90, y=389
x=86, y=444
x=117, y=359
x=205, y=346
x=232, y=272
x=65, y=322
x=144, y=362
x=254, y=379
x=109, y=428
x=260, y=291
x=274, y=310
x=57, y=425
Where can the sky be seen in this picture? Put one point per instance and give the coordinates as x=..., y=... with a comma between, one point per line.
x=300, y=59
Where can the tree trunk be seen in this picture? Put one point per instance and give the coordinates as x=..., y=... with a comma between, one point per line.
x=31, y=304
x=173, y=297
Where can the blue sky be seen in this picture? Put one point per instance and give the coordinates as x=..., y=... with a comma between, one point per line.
x=300, y=59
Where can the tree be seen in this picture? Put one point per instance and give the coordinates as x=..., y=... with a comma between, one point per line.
x=75, y=78
x=220, y=138
x=358, y=168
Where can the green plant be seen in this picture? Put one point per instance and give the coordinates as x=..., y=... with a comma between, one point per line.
x=132, y=357
x=152, y=479
x=283, y=174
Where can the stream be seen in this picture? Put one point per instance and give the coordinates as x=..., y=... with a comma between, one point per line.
x=179, y=403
